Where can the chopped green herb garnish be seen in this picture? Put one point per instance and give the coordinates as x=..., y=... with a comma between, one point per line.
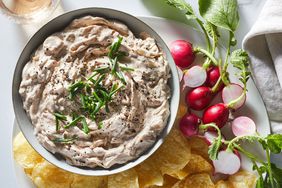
x=74, y=122
x=125, y=68
x=100, y=125
x=114, y=48
x=74, y=88
x=64, y=140
x=92, y=95
x=59, y=117
x=85, y=126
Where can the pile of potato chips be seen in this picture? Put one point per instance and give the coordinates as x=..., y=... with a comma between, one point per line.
x=178, y=163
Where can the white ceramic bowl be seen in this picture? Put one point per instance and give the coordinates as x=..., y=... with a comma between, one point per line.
x=58, y=24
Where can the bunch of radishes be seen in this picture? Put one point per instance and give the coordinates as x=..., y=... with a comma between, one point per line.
x=204, y=83
x=210, y=78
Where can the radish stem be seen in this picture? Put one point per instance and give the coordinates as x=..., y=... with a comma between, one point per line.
x=269, y=167
x=205, y=33
x=250, y=155
x=216, y=86
x=208, y=54
x=232, y=103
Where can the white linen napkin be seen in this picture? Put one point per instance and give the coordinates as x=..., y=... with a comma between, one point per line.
x=264, y=45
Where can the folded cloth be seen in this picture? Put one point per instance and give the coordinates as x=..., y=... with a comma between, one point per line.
x=264, y=45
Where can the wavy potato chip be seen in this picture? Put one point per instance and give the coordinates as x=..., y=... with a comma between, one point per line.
x=80, y=181
x=24, y=154
x=126, y=179
x=46, y=175
x=199, y=146
x=182, y=110
x=149, y=174
x=173, y=161
x=243, y=179
x=198, y=164
x=195, y=180
x=174, y=154
x=223, y=184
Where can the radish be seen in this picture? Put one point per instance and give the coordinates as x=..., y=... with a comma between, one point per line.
x=213, y=75
x=243, y=126
x=227, y=163
x=233, y=92
x=195, y=76
x=182, y=53
x=199, y=98
x=218, y=114
x=210, y=136
x=189, y=125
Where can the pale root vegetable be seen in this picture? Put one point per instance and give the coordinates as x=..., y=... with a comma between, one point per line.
x=227, y=163
x=182, y=53
x=210, y=136
x=232, y=92
x=218, y=114
x=199, y=98
x=243, y=126
x=195, y=76
x=189, y=125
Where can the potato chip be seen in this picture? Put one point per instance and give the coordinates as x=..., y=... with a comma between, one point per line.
x=243, y=179
x=126, y=179
x=149, y=173
x=174, y=154
x=223, y=184
x=199, y=181
x=169, y=181
x=182, y=110
x=24, y=154
x=199, y=146
x=198, y=164
x=46, y=175
x=80, y=181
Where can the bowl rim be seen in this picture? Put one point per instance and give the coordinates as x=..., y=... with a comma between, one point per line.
x=175, y=87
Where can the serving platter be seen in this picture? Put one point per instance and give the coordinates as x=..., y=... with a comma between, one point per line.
x=169, y=31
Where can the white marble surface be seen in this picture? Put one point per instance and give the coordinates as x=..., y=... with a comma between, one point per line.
x=13, y=39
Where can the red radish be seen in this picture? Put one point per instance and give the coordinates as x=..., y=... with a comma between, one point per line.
x=182, y=53
x=243, y=126
x=210, y=136
x=195, y=76
x=227, y=163
x=189, y=125
x=213, y=75
x=218, y=114
x=232, y=92
x=180, y=74
x=199, y=98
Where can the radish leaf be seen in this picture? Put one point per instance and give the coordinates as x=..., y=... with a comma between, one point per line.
x=183, y=6
x=221, y=13
x=240, y=60
x=274, y=143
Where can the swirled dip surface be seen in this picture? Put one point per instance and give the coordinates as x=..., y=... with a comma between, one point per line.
x=137, y=114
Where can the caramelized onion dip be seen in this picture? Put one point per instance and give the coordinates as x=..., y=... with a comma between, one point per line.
x=123, y=127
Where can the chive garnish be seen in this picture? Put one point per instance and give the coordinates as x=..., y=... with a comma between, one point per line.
x=85, y=128
x=64, y=140
x=74, y=122
x=100, y=125
x=125, y=68
x=91, y=93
